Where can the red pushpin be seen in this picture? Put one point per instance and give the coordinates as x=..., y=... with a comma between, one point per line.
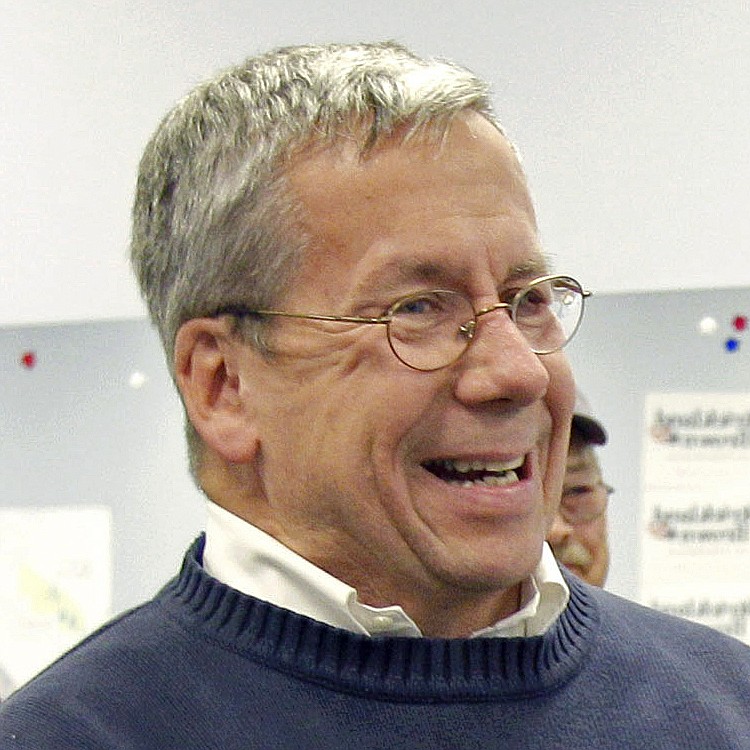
x=28, y=360
x=740, y=323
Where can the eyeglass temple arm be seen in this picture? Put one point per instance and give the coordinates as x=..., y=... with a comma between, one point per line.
x=245, y=312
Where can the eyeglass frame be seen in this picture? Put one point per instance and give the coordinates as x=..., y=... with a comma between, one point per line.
x=468, y=329
x=588, y=489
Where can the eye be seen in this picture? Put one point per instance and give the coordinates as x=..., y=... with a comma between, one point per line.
x=415, y=306
x=539, y=295
x=424, y=303
x=577, y=491
x=433, y=305
x=534, y=299
x=438, y=311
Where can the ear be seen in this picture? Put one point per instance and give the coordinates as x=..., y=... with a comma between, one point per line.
x=206, y=354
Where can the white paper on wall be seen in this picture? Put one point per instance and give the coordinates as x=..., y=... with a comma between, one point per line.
x=696, y=508
x=55, y=587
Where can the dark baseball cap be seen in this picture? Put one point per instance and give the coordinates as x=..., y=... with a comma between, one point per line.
x=586, y=424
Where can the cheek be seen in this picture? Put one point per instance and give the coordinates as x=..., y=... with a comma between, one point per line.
x=560, y=401
x=600, y=540
x=352, y=411
x=560, y=395
x=594, y=538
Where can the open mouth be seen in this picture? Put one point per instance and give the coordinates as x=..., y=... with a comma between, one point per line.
x=478, y=473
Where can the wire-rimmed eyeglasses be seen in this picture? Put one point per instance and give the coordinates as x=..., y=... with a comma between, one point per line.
x=431, y=329
x=582, y=504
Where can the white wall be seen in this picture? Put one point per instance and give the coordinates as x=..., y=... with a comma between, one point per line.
x=632, y=117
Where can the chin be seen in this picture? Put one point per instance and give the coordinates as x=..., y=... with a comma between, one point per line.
x=495, y=571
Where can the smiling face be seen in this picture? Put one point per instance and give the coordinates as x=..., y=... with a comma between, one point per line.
x=391, y=479
x=583, y=547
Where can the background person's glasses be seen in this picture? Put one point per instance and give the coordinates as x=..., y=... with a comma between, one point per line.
x=582, y=504
x=430, y=330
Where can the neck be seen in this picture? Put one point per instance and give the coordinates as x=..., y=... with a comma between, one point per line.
x=450, y=613
x=472, y=617
x=439, y=607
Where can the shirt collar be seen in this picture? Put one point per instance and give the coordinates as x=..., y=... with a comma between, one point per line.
x=253, y=562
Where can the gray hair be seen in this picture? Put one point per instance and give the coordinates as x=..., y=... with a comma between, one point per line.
x=213, y=221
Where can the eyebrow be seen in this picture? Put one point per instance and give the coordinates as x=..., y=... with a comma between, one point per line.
x=533, y=267
x=399, y=271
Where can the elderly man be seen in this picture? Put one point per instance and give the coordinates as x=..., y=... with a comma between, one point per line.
x=340, y=251
x=578, y=536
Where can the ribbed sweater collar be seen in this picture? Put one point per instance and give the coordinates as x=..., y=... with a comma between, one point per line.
x=421, y=669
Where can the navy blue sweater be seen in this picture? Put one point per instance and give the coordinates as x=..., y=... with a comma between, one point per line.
x=203, y=666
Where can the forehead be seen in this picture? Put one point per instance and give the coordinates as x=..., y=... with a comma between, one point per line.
x=582, y=461
x=420, y=211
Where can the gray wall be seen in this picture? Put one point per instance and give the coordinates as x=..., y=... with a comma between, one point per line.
x=633, y=344
x=75, y=432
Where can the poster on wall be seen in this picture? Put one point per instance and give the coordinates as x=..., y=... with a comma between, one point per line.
x=56, y=585
x=696, y=508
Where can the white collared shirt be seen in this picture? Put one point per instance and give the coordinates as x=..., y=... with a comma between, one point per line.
x=253, y=562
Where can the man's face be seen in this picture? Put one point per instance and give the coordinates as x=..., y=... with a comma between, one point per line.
x=359, y=455
x=582, y=547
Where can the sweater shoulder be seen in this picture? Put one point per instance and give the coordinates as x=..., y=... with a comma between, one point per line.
x=632, y=631
x=197, y=620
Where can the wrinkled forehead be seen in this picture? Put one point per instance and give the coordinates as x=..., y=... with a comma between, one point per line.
x=472, y=175
x=406, y=204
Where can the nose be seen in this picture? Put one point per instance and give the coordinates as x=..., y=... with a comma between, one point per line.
x=499, y=363
x=559, y=531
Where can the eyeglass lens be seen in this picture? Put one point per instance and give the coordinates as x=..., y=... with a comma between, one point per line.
x=433, y=329
x=548, y=313
x=582, y=504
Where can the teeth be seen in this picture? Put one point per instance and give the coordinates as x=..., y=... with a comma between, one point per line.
x=485, y=472
x=464, y=467
x=507, y=478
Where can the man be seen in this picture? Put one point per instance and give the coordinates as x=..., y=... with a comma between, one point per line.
x=340, y=251
x=578, y=536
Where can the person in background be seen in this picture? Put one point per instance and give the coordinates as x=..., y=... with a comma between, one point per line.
x=339, y=248
x=579, y=536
